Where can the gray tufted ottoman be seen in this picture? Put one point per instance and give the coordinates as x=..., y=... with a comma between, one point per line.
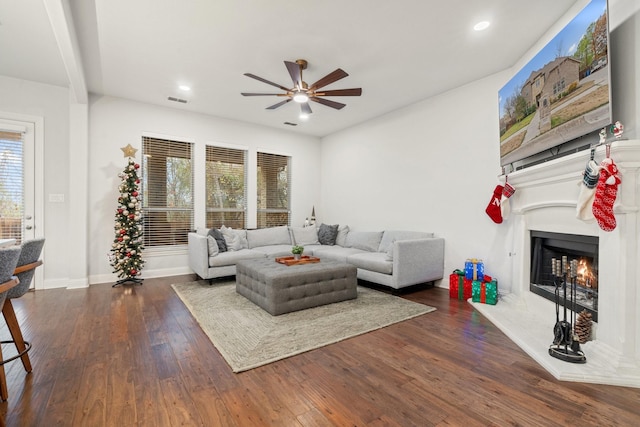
x=280, y=289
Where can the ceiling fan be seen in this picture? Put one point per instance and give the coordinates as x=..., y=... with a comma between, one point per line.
x=302, y=93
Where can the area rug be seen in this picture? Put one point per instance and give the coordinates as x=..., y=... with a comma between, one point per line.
x=248, y=337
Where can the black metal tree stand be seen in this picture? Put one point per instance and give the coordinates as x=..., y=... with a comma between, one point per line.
x=134, y=280
x=565, y=345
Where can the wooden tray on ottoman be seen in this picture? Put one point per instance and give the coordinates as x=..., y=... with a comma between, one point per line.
x=289, y=260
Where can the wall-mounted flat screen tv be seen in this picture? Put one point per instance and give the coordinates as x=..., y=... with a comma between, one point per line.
x=563, y=93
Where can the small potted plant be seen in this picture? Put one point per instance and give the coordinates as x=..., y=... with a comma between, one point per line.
x=297, y=251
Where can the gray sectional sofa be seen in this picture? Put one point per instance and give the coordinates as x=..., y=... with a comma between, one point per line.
x=396, y=259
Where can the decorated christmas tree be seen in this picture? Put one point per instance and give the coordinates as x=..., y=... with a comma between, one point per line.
x=126, y=250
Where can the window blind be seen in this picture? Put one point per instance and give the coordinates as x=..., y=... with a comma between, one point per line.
x=11, y=185
x=167, y=190
x=226, y=170
x=274, y=190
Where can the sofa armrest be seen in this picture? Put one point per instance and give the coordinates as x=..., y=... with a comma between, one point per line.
x=198, y=254
x=418, y=261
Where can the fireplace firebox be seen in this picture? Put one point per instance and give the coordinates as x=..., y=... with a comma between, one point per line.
x=546, y=246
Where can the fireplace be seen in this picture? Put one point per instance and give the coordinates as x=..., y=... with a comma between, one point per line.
x=547, y=247
x=544, y=208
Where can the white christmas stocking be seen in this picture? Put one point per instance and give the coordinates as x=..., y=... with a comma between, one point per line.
x=584, y=207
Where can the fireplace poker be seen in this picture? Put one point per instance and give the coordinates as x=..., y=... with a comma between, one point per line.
x=565, y=345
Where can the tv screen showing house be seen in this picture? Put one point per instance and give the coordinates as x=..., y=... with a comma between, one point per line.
x=563, y=93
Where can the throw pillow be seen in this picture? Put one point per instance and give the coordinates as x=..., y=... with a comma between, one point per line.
x=217, y=235
x=212, y=245
x=233, y=242
x=327, y=234
x=341, y=238
x=235, y=239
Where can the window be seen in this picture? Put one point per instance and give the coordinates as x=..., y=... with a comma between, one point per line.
x=274, y=190
x=559, y=87
x=11, y=185
x=167, y=191
x=225, y=187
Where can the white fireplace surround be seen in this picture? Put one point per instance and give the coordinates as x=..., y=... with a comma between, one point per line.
x=545, y=200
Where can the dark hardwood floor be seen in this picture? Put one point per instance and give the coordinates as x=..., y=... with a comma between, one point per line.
x=131, y=356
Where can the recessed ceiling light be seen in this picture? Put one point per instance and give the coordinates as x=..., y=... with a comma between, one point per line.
x=184, y=87
x=482, y=25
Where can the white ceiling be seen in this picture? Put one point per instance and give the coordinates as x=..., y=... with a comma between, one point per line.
x=398, y=52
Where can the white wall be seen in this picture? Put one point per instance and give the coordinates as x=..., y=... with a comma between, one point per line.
x=115, y=122
x=430, y=167
x=433, y=166
x=51, y=103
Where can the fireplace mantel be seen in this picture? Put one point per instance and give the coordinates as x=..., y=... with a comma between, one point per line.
x=545, y=200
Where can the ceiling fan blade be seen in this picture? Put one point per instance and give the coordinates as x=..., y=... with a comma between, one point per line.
x=328, y=103
x=306, y=108
x=294, y=72
x=260, y=94
x=340, y=92
x=329, y=78
x=279, y=104
x=253, y=76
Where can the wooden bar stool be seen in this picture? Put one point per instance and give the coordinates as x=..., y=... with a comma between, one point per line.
x=8, y=262
x=27, y=263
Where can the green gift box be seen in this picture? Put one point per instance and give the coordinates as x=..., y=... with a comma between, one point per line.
x=484, y=292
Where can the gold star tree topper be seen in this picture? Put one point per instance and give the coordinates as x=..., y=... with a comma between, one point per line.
x=129, y=151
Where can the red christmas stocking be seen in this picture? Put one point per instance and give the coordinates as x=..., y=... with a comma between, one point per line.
x=605, y=197
x=505, y=206
x=493, y=210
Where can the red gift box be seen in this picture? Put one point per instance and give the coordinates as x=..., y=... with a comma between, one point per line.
x=459, y=287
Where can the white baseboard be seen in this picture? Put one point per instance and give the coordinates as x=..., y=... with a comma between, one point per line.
x=146, y=274
x=65, y=283
x=111, y=278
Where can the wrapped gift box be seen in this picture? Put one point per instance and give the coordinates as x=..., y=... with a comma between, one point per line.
x=484, y=292
x=474, y=269
x=459, y=286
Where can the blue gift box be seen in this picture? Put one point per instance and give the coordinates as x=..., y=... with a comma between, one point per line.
x=474, y=269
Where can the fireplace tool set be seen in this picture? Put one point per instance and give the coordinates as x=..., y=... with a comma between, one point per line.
x=566, y=345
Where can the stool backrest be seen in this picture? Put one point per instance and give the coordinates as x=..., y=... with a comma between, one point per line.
x=26, y=267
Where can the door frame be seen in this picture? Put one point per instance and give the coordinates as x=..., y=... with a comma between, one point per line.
x=37, y=122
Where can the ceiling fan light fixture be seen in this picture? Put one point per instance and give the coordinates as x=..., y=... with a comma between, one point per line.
x=300, y=97
x=482, y=25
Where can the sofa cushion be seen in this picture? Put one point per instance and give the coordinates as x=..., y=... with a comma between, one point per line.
x=274, y=250
x=336, y=253
x=372, y=261
x=212, y=246
x=341, y=238
x=231, y=257
x=327, y=234
x=217, y=234
x=268, y=236
x=365, y=240
x=391, y=236
x=303, y=236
